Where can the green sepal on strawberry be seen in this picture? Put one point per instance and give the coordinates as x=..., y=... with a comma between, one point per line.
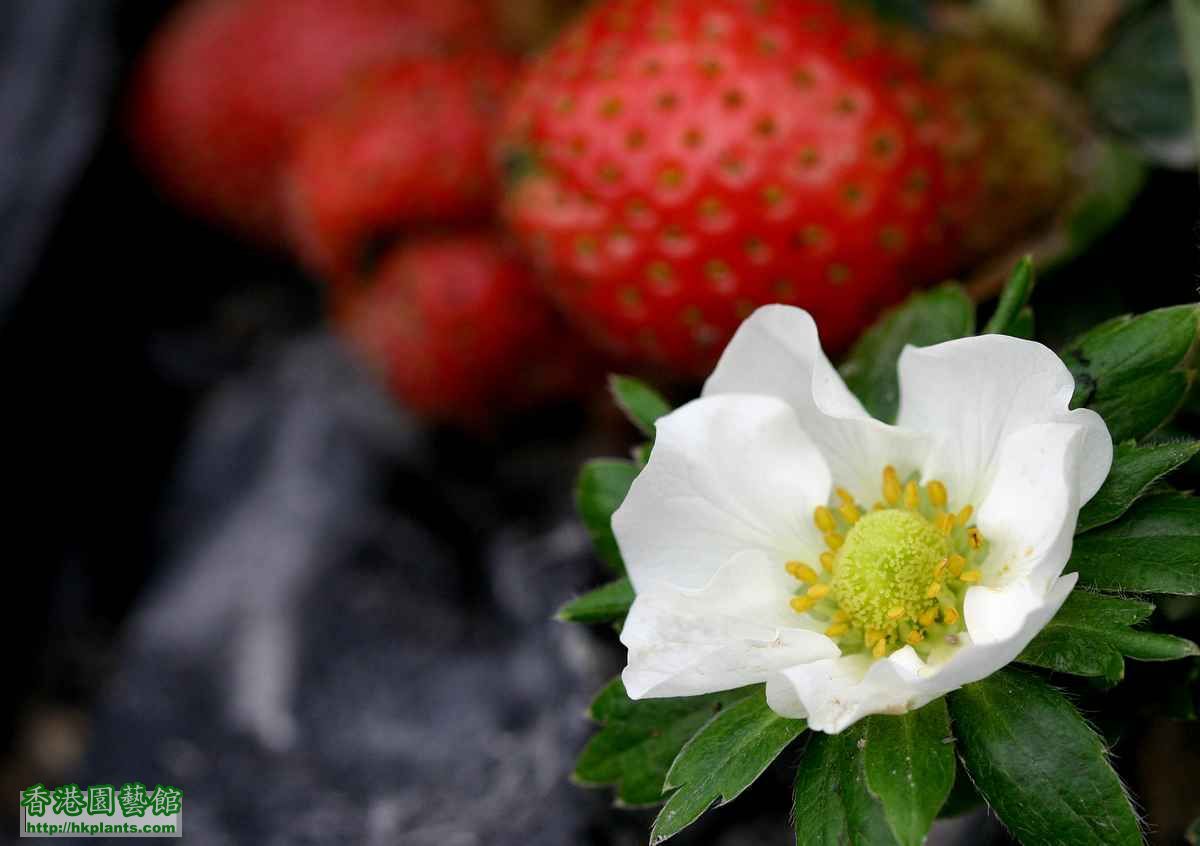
x=459, y=331
x=675, y=165
x=408, y=144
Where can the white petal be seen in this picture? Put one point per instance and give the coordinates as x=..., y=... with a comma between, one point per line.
x=833, y=694
x=972, y=393
x=1032, y=506
x=727, y=474
x=777, y=352
x=737, y=630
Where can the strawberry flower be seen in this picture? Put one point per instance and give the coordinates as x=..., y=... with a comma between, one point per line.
x=779, y=534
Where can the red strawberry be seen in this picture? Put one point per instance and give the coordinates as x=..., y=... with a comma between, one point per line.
x=679, y=164
x=410, y=143
x=462, y=333
x=226, y=84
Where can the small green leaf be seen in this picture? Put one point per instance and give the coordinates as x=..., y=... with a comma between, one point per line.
x=1038, y=765
x=602, y=605
x=910, y=767
x=642, y=404
x=1140, y=86
x=1091, y=633
x=639, y=740
x=1134, y=470
x=831, y=803
x=942, y=314
x=1154, y=548
x=1013, y=300
x=723, y=759
x=1135, y=371
x=603, y=484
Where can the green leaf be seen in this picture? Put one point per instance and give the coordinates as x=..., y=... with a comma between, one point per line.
x=722, y=760
x=1140, y=86
x=1013, y=299
x=1135, y=371
x=1134, y=470
x=910, y=767
x=603, y=484
x=639, y=740
x=602, y=605
x=1038, y=765
x=1091, y=633
x=1154, y=548
x=1115, y=177
x=1023, y=325
x=831, y=803
x=642, y=404
x=942, y=314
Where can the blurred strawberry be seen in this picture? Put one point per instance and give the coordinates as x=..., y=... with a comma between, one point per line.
x=409, y=143
x=673, y=166
x=226, y=84
x=461, y=332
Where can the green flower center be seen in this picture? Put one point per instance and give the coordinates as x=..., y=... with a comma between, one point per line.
x=894, y=576
x=887, y=562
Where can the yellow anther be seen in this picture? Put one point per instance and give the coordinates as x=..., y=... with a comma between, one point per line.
x=849, y=512
x=844, y=495
x=928, y=618
x=945, y=524
x=837, y=630
x=974, y=538
x=827, y=562
x=879, y=506
x=841, y=616
x=911, y=499
x=955, y=564
x=880, y=648
x=872, y=637
x=940, y=568
x=800, y=604
x=801, y=571
x=891, y=485
x=834, y=541
x=949, y=616
x=933, y=590
x=937, y=493
x=896, y=613
x=915, y=636
x=823, y=517
x=818, y=591
x=965, y=515
x=971, y=576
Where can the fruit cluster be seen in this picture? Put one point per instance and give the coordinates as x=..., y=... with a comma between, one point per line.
x=663, y=167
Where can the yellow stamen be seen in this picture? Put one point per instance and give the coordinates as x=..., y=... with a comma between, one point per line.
x=933, y=590
x=940, y=568
x=850, y=512
x=880, y=648
x=823, y=517
x=895, y=613
x=837, y=630
x=911, y=499
x=971, y=576
x=802, y=572
x=800, y=604
x=949, y=616
x=872, y=637
x=928, y=618
x=974, y=538
x=841, y=616
x=834, y=541
x=827, y=562
x=879, y=506
x=956, y=563
x=915, y=636
x=818, y=591
x=945, y=524
x=965, y=515
x=844, y=496
x=891, y=485
x=937, y=493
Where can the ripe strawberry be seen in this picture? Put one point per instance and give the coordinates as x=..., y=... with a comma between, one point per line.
x=410, y=143
x=676, y=165
x=226, y=84
x=461, y=332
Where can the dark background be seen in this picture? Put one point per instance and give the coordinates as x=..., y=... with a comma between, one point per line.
x=235, y=566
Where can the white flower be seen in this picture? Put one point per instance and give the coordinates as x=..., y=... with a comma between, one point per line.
x=780, y=534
